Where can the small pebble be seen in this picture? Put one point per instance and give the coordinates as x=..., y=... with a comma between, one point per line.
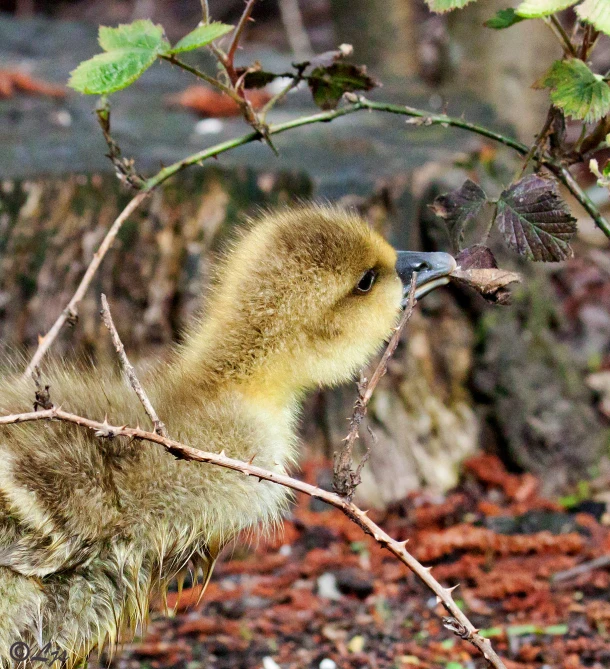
x=327, y=586
x=327, y=663
x=270, y=663
x=209, y=126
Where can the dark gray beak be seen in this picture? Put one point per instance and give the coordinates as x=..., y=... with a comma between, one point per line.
x=433, y=270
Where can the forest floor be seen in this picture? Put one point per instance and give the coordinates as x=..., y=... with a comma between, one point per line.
x=321, y=594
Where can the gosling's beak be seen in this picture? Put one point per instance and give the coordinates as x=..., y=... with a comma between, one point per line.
x=432, y=269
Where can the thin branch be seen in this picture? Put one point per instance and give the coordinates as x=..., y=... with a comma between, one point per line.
x=130, y=372
x=558, y=30
x=564, y=175
x=430, y=118
x=70, y=313
x=458, y=622
x=206, y=77
x=245, y=17
x=357, y=104
x=205, y=12
x=539, y=141
x=280, y=95
x=124, y=167
x=582, y=568
x=345, y=480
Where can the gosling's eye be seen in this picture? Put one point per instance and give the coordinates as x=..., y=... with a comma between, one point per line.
x=367, y=280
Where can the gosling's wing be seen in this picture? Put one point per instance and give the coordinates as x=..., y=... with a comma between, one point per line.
x=58, y=500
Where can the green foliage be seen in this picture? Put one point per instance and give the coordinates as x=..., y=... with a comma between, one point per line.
x=576, y=90
x=534, y=220
x=441, y=6
x=142, y=34
x=201, y=36
x=111, y=72
x=460, y=207
x=130, y=50
x=597, y=13
x=328, y=84
x=504, y=18
x=534, y=9
x=526, y=630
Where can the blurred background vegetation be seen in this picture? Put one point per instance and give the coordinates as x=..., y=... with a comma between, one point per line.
x=530, y=382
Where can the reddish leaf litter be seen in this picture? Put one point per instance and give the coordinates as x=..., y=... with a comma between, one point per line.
x=206, y=102
x=13, y=82
x=321, y=594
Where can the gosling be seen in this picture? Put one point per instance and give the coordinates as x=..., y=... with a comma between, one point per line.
x=90, y=529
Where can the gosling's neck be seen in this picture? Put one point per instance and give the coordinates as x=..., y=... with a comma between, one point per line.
x=232, y=357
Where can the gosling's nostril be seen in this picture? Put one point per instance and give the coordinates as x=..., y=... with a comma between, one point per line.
x=421, y=267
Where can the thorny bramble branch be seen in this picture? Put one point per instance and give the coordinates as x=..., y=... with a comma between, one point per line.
x=345, y=479
x=457, y=621
x=130, y=372
x=124, y=167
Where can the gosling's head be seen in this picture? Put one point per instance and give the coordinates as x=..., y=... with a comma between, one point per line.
x=305, y=297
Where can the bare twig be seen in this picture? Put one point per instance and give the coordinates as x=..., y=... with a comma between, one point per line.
x=124, y=167
x=205, y=11
x=345, y=479
x=206, y=77
x=280, y=95
x=559, y=32
x=245, y=17
x=582, y=568
x=457, y=622
x=71, y=310
x=539, y=142
x=130, y=372
x=42, y=397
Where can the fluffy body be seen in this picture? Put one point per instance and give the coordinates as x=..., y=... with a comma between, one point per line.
x=90, y=529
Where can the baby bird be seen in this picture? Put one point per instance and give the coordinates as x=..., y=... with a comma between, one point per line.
x=92, y=529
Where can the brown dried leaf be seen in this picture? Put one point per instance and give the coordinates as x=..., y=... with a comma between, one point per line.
x=482, y=275
x=476, y=256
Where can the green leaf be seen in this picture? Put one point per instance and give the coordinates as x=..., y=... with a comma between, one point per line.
x=522, y=630
x=505, y=18
x=458, y=208
x=535, y=221
x=597, y=13
x=110, y=72
x=130, y=50
x=534, y=9
x=328, y=84
x=201, y=36
x=441, y=6
x=576, y=90
x=142, y=34
x=556, y=630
